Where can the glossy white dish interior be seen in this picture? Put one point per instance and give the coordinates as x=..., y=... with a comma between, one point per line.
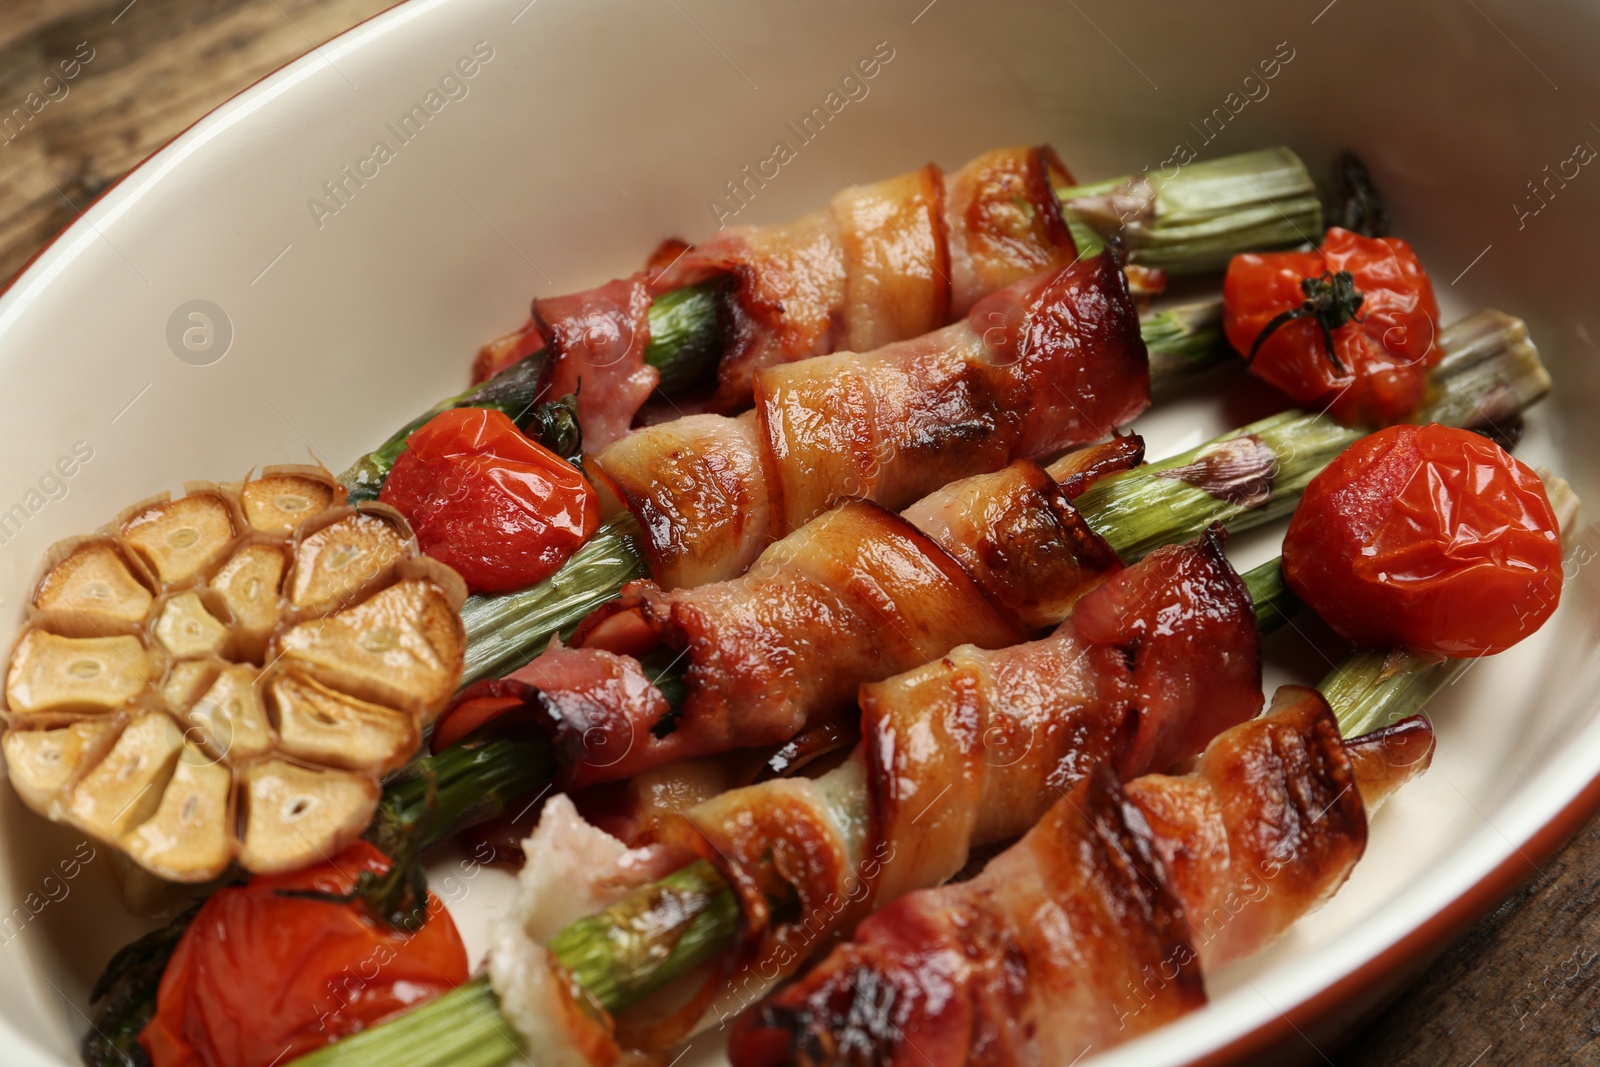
x=597, y=128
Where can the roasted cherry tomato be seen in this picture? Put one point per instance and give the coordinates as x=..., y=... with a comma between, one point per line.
x=1349, y=326
x=1428, y=537
x=261, y=978
x=502, y=510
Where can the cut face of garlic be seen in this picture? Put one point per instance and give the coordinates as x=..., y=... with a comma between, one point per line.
x=186, y=629
x=89, y=675
x=288, y=805
x=179, y=538
x=224, y=678
x=277, y=503
x=94, y=579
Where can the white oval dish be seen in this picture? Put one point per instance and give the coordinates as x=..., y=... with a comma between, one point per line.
x=588, y=132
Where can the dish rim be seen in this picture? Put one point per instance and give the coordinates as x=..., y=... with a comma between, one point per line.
x=1418, y=926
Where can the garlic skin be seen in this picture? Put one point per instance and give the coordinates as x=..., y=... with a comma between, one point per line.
x=225, y=677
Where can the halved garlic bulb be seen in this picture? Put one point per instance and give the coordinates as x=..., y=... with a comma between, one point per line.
x=226, y=677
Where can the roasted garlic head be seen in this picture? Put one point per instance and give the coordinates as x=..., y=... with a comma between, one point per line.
x=226, y=676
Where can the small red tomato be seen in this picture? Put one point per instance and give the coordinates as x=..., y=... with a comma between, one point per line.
x=501, y=509
x=260, y=978
x=1377, y=305
x=1428, y=537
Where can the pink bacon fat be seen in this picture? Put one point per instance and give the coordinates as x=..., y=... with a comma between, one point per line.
x=1049, y=362
x=883, y=262
x=855, y=595
x=1098, y=924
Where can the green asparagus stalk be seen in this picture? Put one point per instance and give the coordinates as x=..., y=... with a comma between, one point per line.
x=1197, y=219
x=684, y=343
x=437, y=795
x=617, y=955
x=1183, y=340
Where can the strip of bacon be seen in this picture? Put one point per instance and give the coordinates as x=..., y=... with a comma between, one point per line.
x=1098, y=924
x=856, y=595
x=883, y=262
x=1048, y=362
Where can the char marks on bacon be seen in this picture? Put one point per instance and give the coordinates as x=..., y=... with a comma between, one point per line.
x=698, y=489
x=1096, y=925
x=972, y=749
x=1017, y=533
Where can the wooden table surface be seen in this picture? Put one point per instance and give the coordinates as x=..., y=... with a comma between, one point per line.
x=1519, y=988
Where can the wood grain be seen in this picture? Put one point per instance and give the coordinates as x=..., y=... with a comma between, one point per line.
x=1520, y=988
x=156, y=67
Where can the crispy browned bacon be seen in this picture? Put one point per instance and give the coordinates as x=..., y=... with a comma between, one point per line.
x=1050, y=361
x=1095, y=926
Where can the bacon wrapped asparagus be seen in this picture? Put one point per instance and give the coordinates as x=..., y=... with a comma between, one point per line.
x=1099, y=924
x=1049, y=362
x=649, y=936
x=885, y=262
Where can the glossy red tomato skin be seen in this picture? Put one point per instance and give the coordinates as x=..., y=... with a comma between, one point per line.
x=260, y=978
x=1386, y=355
x=503, y=510
x=1427, y=537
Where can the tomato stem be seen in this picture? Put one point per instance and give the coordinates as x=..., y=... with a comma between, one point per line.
x=1331, y=301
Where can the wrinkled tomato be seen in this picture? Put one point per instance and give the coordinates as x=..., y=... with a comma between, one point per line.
x=502, y=510
x=1368, y=296
x=261, y=978
x=1428, y=537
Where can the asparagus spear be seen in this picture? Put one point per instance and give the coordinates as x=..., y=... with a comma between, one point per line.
x=632, y=948
x=1199, y=218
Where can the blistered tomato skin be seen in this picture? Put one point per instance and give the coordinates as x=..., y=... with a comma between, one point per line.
x=261, y=978
x=501, y=509
x=1385, y=353
x=1427, y=537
